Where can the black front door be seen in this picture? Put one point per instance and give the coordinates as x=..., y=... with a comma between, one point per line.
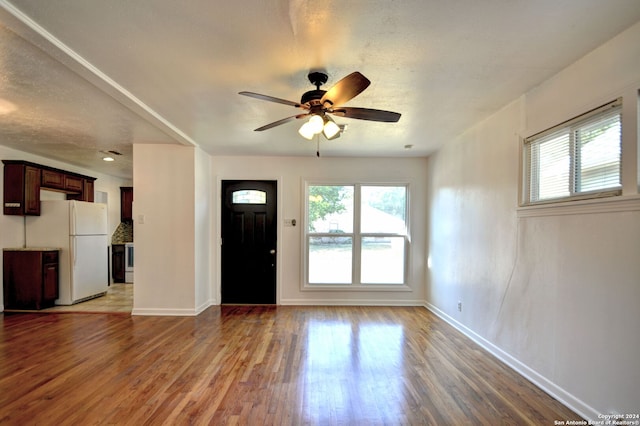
x=249, y=242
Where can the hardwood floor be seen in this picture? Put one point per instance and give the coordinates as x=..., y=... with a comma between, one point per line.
x=258, y=365
x=119, y=298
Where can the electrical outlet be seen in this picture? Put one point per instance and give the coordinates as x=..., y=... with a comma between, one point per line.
x=459, y=306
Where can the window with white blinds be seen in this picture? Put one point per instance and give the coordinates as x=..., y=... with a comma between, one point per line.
x=577, y=159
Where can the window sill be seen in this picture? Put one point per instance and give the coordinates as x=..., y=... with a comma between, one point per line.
x=621, y=203
x=356, y=287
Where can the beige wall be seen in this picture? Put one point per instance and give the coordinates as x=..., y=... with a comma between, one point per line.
x=171, y=216
x=554, y=291
x=204, y=243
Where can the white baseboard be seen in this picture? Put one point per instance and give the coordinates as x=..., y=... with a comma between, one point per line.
x=200, y=309
x=348, y=302
x=164, y=312
x=173, y=312
x=570, y=401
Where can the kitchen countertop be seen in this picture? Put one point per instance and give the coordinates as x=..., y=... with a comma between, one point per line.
x=31, y=249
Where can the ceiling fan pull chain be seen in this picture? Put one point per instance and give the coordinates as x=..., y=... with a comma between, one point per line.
x=318, y=146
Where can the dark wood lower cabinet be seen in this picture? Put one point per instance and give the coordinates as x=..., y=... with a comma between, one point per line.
x=117, y=263
x=30, y=278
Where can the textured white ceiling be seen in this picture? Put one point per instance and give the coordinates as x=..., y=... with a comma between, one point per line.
x=80, y=76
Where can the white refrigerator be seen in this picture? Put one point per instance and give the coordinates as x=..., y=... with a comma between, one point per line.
x=79, y=230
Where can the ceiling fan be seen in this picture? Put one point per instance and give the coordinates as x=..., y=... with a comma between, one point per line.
x=319, y=103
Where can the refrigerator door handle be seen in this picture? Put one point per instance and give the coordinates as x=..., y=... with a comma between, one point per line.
x=72, y=218
x=74, y=248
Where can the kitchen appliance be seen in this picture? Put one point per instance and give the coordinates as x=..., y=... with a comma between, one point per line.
x=79, y=230
x=128, y=263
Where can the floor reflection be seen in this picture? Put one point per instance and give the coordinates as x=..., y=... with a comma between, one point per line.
x=352, y=370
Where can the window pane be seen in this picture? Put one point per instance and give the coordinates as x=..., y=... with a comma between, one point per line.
x=330, y=260
x=330, y=209
x=599, y=145
x=382, y=260
x=551, y=164
x=582, y=156
x=383, y=209
x=249, y=196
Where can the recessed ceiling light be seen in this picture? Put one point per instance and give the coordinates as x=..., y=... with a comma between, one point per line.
x=108, y=159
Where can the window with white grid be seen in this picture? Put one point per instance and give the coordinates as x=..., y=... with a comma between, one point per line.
x=356, y=235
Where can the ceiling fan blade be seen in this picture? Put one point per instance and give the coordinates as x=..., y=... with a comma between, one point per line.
x=272, y=99
x=367, y=114
x=279, y=122
x=346, y=89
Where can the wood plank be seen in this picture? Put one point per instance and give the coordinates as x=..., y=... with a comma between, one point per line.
x=258, y=365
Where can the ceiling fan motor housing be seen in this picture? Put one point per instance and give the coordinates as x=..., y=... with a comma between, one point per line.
x=312, y=95
x=316, y=78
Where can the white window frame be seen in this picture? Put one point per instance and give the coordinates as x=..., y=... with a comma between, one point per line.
x=356, y=235
x=569, y=126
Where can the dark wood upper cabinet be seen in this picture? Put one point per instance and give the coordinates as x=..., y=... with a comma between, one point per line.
x=73, y=183
x=63, y=181
x=89, y=190
x=23, y=181
x=21, y=190
x=52, y=179
x=32, y=190
x=83, y=191
x=126, y=203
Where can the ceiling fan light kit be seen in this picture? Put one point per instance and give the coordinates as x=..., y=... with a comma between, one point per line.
x=331, y=130
x=319, y=103
x=317, y=125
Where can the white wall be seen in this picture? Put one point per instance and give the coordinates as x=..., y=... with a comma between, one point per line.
x=12, y=227
x=291, y=172
x=553, y=291
x=204, y=217
x=171, y=191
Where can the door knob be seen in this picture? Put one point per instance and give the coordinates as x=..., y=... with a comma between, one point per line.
x=272, y=251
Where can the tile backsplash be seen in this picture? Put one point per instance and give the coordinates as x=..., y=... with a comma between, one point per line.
x=123, y=233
